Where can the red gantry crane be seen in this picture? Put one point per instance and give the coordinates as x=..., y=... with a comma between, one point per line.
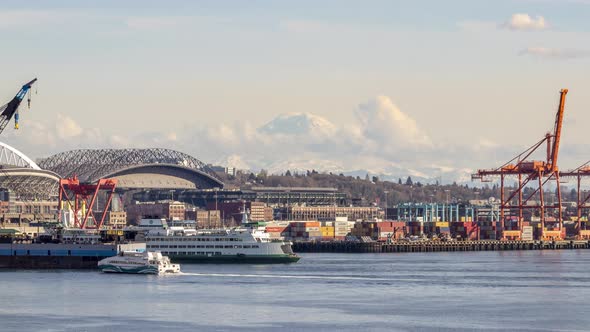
x=514, y=202
x=84, y=198
x=582, y=204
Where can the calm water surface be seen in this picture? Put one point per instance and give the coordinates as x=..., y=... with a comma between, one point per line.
x=493, y=291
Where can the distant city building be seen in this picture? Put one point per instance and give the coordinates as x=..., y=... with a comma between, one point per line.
x=208, y=219
x=272, y=196
x=327, y=213
x=224, y=170
x=170, y=210
x=38, y=207
x=116, y=219
x=299, y=195
x=233, y=211
x=259, y=211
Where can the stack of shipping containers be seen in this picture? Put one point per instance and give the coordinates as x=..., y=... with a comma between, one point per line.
x=305, y=230
x=415, y=228
x=466, y=230
x=327, y=230
x=487, y=230
x=342, y=227
x=278, y=230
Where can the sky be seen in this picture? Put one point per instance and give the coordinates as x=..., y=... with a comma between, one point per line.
x=434, y=89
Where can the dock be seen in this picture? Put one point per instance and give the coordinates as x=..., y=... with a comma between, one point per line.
x=435, y=246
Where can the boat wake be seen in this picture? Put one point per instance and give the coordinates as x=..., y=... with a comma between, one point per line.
x=234, y=275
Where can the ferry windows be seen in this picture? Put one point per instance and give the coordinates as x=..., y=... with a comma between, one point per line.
x=229, y=246
x=218, y=246
x=246, y=246
x=255, y=246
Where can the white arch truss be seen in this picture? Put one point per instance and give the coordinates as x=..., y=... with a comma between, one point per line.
x=13, y=157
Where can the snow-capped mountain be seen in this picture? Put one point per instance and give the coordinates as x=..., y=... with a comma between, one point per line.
x=299, y=124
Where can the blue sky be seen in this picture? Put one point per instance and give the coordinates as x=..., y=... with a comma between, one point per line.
x=471, y=78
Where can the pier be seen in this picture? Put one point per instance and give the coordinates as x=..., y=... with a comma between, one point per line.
x=436, y=246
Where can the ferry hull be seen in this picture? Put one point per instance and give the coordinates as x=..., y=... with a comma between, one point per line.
x=227, y=259
x=108, y=268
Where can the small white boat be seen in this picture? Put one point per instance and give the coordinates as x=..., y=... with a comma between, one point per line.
x=134, y=262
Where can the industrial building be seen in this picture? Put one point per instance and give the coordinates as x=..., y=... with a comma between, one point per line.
x=233, y=211
x=327, y=213
x=272, y=196
x=170, y=210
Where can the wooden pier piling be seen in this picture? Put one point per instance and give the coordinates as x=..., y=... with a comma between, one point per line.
x=436, y=246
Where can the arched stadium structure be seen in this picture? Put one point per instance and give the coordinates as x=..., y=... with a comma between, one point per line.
x=154, y=168
x=22, y=176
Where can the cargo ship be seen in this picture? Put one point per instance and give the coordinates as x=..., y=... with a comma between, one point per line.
x=236, y=245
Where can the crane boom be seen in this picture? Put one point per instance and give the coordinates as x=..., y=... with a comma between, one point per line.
x=10, y=110
x=557, y=130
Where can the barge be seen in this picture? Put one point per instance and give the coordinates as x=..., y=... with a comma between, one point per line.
x=59, y=255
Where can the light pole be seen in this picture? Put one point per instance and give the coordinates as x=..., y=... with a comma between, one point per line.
x=386, y=192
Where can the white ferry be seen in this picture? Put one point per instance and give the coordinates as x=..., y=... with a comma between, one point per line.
x=138, y=263
x=237, y=245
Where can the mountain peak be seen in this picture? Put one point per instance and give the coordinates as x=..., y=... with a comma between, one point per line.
x=298, y=124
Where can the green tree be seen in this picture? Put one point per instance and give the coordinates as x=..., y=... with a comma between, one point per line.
x=409, y=181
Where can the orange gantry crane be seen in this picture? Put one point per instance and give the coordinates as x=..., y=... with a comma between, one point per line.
x=514, y=201
x=582, y=204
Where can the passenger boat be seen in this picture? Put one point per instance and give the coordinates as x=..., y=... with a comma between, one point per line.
x=138, y=263
x=236, y=245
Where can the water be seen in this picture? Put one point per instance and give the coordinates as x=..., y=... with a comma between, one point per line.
x=492, y=291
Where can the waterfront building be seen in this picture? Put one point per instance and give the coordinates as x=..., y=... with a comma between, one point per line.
x=328, y=213
x=162, y=209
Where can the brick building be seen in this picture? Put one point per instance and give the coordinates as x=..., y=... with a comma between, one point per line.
x=116, y=219
x=233, y=211
x=170, y=210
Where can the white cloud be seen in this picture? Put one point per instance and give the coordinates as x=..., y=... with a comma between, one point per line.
x=384, y=123
x=526, y=22
x=485, y=143
x=66, y=127
x=555, y=53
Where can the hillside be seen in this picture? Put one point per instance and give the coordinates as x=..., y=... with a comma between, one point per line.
x=368, y=190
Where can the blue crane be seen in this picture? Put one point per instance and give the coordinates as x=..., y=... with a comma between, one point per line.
x=11, y=109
